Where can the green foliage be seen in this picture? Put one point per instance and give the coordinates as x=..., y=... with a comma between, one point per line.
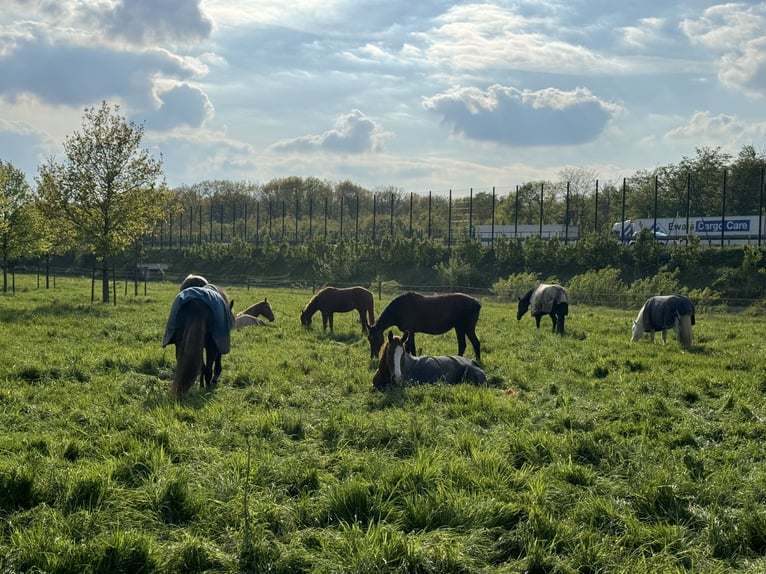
x=107, y=193
x=514, y=286
x=598, y=287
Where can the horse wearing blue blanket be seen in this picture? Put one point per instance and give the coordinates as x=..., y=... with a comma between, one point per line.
x=546, y=299
x=200, y=320
x=665, y=312
x=397, y=366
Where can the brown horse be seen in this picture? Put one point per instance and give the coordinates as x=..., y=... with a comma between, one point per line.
x=262, y=308
x=200, y=321
x=193, y=281
x=340, y=300
x=432, y=314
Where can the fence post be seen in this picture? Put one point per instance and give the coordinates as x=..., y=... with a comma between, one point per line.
x=688, y=204
x=492, y=233
x=449, y=224
x=515, y=215
x=622, y=217
x=470, y=213
x=595, y=223
x=392, y=216
x=411, y=208
x=723, y=206
x=760, y=210
x=566, y=218
x=542, y=187
x=656, y=193
x=429, y=215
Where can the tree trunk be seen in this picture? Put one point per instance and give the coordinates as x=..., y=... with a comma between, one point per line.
x=105, y=282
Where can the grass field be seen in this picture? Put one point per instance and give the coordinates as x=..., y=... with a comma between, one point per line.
x=583, y=454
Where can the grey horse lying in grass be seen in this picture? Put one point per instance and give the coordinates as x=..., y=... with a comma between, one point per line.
x=397, y=366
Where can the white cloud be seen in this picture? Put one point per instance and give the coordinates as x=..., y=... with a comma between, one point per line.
x=704, y=128
x=353, y=133
x=736, y=32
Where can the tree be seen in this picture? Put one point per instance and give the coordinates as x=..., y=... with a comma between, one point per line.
x=20, y=222
x=108, y=190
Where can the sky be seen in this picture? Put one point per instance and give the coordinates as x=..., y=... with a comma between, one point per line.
x=425, y=95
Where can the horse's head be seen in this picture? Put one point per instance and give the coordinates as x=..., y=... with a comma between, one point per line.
x=638, y=326
x=375, y=337
x=390, y=363
x=523, y=308
x=524, y=302
x=266, y=310
x=306, y=318
x=193, y=281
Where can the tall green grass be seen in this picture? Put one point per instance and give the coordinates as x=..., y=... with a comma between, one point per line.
x=584, y=453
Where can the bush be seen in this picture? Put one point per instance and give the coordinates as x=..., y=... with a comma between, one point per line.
x=601, y=287
x=514, y=286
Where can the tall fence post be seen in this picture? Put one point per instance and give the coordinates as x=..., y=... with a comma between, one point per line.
x=542, y=188
x=566, y=218
x=760, y=210
x=449, y=224
x=595, y=222
x=622, y=217
x=492, y=228
x=656, y=194
x=723, y=207
x=429, y=215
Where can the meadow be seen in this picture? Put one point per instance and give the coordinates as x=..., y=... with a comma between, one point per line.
x=583, y=454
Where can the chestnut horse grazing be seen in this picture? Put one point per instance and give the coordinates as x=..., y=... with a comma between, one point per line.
x=397, y=366
x=200, y=320
x=340, y=300
x=432, y=314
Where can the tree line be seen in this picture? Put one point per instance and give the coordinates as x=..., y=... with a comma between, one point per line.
x=107, y=199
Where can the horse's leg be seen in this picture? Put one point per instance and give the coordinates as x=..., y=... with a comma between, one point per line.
x=329, y=320
x=361, y=319
x=460, y=341
x=324, y=321
x=409, y=345
x=217, y=369
x=664, y=336
x=553, y=320
x=475, y=343
x=651, y=336
x=537, y=320
x=560, y=324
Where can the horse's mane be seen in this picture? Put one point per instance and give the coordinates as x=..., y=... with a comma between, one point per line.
x=527, y=296
x=311, y=305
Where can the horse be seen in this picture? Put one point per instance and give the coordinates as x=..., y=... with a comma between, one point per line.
x=396, y=366
x=245, y=320
x=262, y=308
x=193, y=280
x=665, y=312
x=331, y=300
x=200, y=319
x=431, y=314
x=546, y=299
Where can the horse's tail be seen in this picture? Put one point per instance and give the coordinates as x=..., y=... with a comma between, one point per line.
x=189, y=354
x=685, y=331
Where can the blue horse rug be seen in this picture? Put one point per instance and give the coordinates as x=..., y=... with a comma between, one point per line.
x=660, y=312
x=221, y=315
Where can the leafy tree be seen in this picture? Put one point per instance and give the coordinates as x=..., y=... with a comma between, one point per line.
x=20, y=222
x=108, y=189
